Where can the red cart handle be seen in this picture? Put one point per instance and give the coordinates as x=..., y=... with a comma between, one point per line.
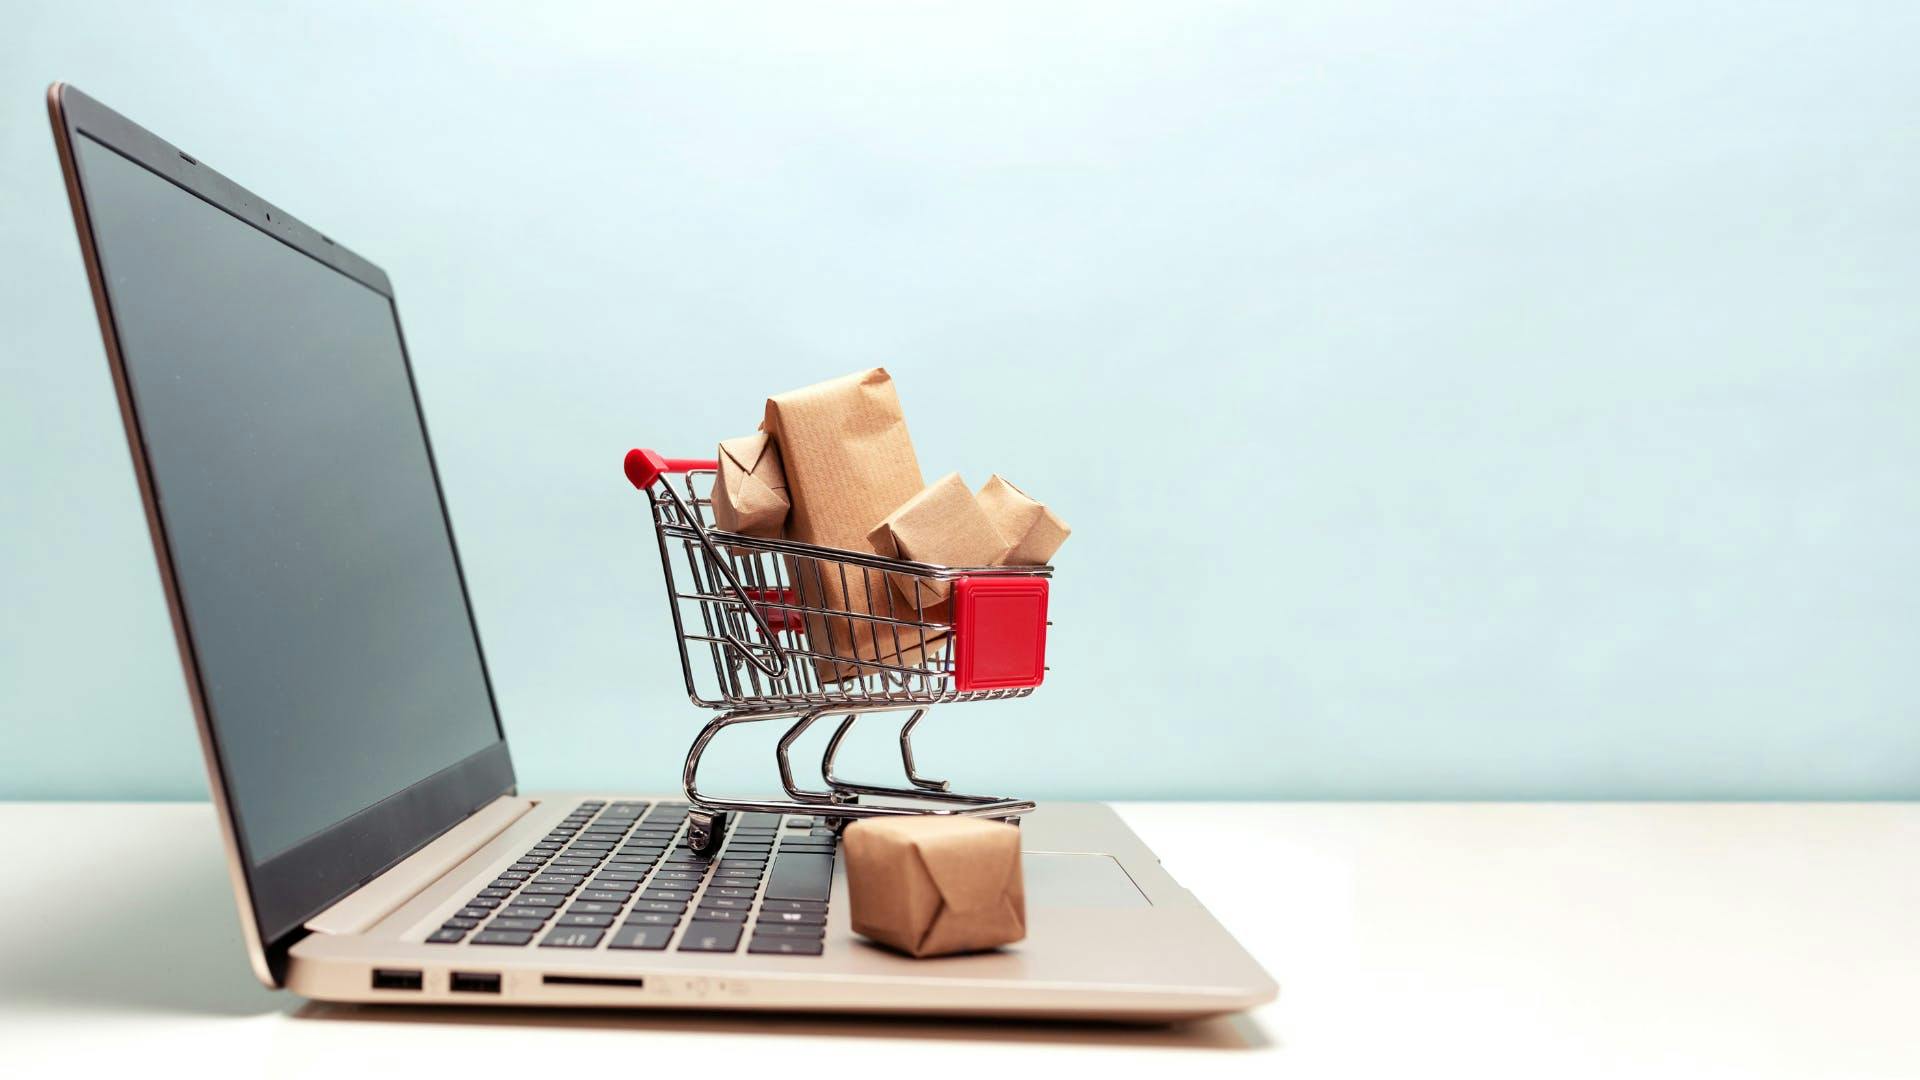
x=645, y=466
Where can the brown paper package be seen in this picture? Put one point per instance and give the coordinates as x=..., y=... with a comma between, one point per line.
x=1032, y=532
x=944, y=525
x=849, y=463
x=750, y=492
x=930, y=886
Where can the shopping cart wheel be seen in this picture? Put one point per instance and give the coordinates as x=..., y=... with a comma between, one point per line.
x=705, y=830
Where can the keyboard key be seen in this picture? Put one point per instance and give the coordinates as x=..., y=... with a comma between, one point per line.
x=513, y=875
x=621, y=875
x=726, y=903
x=667, y=894
x=514, y=924
x=494, y=894
x=719, y=915
x=589, y=907
x=675, y=906
x=765, y=929
x=607, y=896
x=571, y=919
x=521, y=911
x=786, y=946
x=486, y=901
x=614, y=885
x=641, y=937
x=444, y=936
x=547, y=890
x=799, y=823
x=474, y=913
x=793, y=905
x=654, y=918
x=679, y=875
x=503, y=937
x=538, y=901
x=460, y=923
x=572, y=937
x=757, y=820
x=723, y=892
x=793, y=918
x=560, y=879
x=801, y=877
x=710, y=937
x=509, y=884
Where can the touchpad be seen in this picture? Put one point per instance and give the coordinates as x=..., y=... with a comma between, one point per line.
x=1073, y=879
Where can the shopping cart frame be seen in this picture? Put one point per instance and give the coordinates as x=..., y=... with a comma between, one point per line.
x=760, y=621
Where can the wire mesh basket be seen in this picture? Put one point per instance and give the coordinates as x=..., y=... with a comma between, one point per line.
x=773, y=629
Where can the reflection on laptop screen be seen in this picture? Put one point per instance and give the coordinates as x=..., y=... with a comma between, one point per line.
x=315, y=569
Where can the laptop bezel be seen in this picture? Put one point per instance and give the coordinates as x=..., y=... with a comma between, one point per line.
x=276, y=896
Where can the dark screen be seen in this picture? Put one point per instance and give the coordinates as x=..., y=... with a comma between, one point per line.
x=336, y=650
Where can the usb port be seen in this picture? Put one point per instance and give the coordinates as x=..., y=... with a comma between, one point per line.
x=396, y=979
x=473, y=982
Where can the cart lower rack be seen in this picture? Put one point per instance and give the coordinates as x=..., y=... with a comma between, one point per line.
x=796, y=632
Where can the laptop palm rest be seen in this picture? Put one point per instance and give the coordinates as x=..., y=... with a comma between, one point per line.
x=1077, y=879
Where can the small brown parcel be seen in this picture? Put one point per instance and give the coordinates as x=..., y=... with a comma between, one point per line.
x=1032, y=532
x=930, y=886
x=945, y=525
x=750, y=491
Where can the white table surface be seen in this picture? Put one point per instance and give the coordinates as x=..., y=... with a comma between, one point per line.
x=1410, y=940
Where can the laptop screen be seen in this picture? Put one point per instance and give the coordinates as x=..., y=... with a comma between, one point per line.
x=316, y=574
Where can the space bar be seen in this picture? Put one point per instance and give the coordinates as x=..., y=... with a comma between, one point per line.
x=801, y=877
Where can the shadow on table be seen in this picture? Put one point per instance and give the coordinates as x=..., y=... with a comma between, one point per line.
x=1236, y=1032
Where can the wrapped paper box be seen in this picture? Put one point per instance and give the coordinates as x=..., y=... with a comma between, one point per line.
x=1032, y=532
x=930, y=886
x=944, y=525
x=849, y=463
x=750, y=492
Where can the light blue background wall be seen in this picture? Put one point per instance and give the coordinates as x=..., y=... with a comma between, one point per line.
x=1466, y=400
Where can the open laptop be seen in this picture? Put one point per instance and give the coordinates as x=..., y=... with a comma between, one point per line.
x=379, y=847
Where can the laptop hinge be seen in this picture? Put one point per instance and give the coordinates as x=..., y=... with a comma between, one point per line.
x=383, y=896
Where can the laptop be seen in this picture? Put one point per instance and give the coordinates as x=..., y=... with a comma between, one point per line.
x=379, y=845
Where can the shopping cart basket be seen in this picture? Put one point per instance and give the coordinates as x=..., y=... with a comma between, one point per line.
x=796, y=632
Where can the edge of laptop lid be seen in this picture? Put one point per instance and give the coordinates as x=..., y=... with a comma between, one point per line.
x=277, y=895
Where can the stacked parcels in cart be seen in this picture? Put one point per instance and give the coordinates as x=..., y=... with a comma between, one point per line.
x=833, y=465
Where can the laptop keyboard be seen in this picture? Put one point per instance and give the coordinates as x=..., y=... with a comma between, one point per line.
x=620, y=876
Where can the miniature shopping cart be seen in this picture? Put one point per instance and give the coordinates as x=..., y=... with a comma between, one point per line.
x=796, y=632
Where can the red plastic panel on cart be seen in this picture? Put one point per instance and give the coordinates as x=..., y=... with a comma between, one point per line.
x=1000, y=632
x=778, y=618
